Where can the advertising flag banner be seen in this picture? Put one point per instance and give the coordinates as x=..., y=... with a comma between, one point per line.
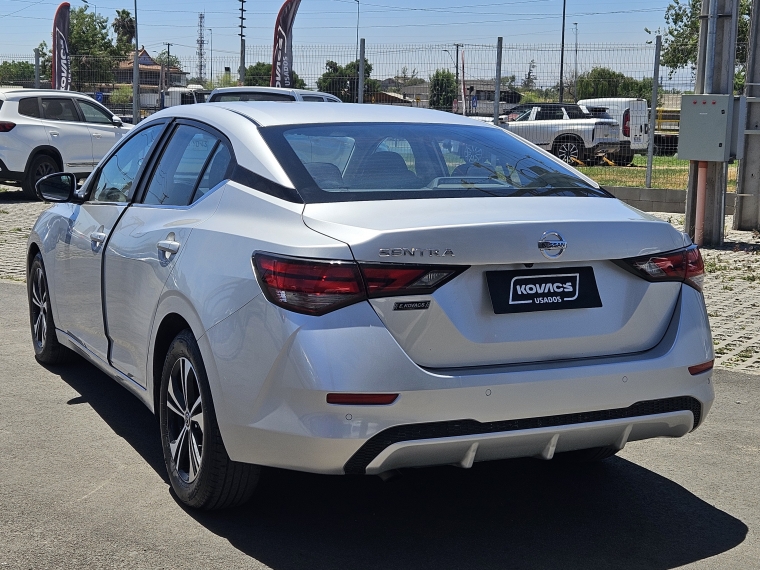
x=61, y=66
x=282, y=55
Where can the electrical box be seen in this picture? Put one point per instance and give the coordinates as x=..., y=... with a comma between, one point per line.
x=705, y=128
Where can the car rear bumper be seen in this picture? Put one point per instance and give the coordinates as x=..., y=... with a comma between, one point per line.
x=7, y=175
x=272, y=409
x=604, y=148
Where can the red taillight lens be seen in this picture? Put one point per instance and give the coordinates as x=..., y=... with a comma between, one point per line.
x=627, y=123
x=316, y=287
x=6, y=126
x=685, y=265
x=309, y=286
x=390, y=280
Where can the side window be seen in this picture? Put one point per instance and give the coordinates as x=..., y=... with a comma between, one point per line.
x=180, y=167
x=116, y=180
x=550, y=114
x=29, y=107
x=313, y=98
x=59, y=109
x=215, y=172
x=94, y=114
x=254, y=96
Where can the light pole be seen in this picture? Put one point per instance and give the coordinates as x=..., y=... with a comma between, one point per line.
x=575, y=75
x=357, y=30
x=562, y=56
x=136, y=78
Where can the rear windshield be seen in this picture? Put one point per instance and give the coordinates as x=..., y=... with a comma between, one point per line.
x=375, y=161
x=254, y=96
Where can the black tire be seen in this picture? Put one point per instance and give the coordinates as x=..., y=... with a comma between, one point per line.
x=590, y=455
x=200, y=471
x=569, y=150
x=47, y=349
x=41, y=165
x=622, y=158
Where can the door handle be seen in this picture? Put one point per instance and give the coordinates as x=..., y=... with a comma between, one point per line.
x=98, y=237
x=53, y=133
x=96, y=135
x=168, y=246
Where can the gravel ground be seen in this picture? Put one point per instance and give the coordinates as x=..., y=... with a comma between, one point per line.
x=732, y=284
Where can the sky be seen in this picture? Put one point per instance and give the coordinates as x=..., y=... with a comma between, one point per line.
x=25, y=23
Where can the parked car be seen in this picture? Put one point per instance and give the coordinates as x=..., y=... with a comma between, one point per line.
x=189, y=95
x=565, y=129
x=633, y=117
x=356, y=289
x=227, y=94
x=45, y=131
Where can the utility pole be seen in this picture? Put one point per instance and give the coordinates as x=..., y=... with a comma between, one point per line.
x=715, y=75
x=456, y=69
x=168, y=65
x=241, y=79
x=211, y=60
x=747, y=214
x=562, y=56
x=575, y=75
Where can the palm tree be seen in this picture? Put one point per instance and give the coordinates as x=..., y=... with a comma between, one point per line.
x=124, y=26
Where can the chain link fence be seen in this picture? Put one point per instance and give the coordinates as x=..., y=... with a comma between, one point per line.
x=442, y=76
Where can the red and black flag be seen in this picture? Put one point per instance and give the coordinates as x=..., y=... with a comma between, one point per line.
x=282, y=55
x=61, y=66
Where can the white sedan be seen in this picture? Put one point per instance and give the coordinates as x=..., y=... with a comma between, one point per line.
x=357, y=289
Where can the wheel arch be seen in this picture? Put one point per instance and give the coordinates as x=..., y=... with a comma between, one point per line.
x=31, y=253
x=171, y=325
x=48, y=150
x=569, y=137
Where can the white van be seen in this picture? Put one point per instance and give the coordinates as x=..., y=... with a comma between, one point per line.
x=633, y=116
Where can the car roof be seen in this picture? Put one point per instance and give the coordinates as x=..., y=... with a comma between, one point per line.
x=264, y=89
x=19, y=92
x=273, y=113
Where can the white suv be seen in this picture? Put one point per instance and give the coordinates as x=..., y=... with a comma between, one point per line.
x=44, y=131
x=258, y=93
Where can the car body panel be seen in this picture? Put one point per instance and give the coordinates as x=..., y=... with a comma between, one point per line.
x=270, y=369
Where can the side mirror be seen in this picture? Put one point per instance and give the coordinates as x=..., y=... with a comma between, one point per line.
x=58, y=187
x=116, y=121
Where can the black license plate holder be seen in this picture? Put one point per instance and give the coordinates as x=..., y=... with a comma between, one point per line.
x=531, y=290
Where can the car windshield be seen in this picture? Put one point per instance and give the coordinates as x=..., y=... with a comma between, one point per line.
x=344, y=162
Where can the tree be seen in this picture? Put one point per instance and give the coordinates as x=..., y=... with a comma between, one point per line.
x=530, y=78
x=122, y=95
x=124, y=26
x=163, y=58
x=343, y=81
x=15, y=71
x=93, y=54
x=261, y=73
x=605, y=82
x=681, y=35
x=443, y=90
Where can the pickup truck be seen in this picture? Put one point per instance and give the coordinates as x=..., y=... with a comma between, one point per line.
x=566, y=130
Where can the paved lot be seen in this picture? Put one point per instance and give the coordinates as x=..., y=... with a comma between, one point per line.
x=732, y=288
x=83, y=486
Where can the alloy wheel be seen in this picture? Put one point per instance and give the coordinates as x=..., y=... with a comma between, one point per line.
x=43, y=169
x=568, y=152
x=40, y=307
x=185, y=420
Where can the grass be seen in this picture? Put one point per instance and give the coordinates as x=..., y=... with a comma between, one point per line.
x=667, y=172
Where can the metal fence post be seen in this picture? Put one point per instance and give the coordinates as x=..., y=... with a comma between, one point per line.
x=36, y=68
x=497, y=87
x=653, y=112
x=360, y=96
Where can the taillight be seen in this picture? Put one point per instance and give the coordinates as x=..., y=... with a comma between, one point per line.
x=6, y=126
x=316, y=286
x=684, y=265
x=627, y=123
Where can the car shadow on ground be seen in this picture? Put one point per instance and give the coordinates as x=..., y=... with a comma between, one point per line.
x=503, y=514
x=11, y=194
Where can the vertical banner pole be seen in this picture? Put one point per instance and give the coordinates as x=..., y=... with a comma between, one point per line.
x=464, y=93
x=136, y=77
x=36, y=68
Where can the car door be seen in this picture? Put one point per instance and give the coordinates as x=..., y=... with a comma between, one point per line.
x=68, y=133
x=78, y=281
x=148, y=239
x=104, y=134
